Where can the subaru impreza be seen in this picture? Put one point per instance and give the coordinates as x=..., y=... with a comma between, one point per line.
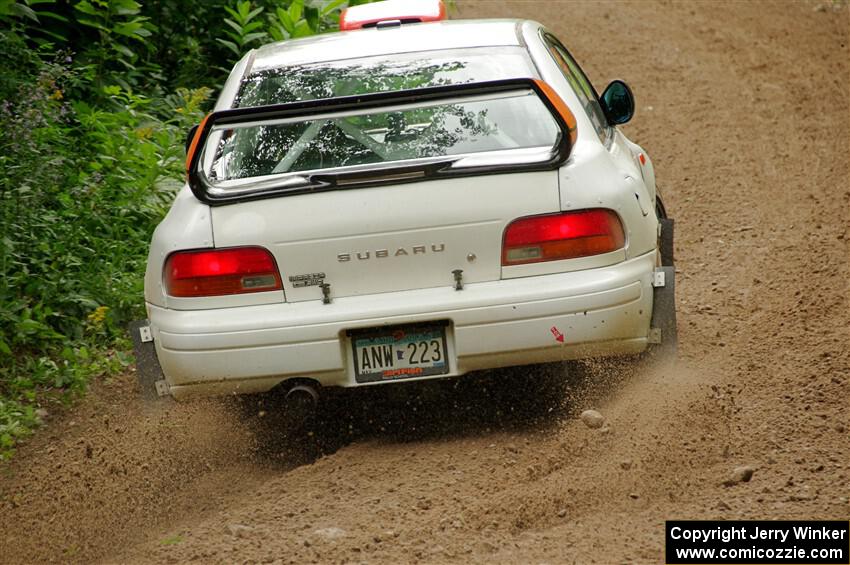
x=408, y=198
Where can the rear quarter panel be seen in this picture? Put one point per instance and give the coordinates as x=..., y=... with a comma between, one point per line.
x=188, y=225
x=597, y=174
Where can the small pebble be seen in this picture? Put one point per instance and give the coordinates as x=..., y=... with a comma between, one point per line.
x=741, y=474
x=592, y=419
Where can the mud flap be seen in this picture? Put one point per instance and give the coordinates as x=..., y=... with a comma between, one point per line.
x=148, y=370
x=664, y=315
x=666, y=241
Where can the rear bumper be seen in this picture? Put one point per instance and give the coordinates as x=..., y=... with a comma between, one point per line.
x=600, y=312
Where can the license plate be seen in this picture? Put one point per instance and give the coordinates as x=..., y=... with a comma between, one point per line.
x=400, y=352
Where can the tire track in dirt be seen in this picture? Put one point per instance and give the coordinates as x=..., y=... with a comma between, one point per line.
x=745, y=108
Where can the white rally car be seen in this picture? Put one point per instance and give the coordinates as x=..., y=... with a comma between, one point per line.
x=405, y=201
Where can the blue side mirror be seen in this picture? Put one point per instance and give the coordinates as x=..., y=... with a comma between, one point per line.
x=618, y=103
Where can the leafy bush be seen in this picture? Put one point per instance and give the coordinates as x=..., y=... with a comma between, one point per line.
x=95, y=99
x=84, y=188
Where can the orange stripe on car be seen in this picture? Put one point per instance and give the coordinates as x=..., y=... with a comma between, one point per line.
x=561, y=107
x=194, y=146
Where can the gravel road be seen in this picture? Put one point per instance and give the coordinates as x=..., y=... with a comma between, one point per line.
x=745, y=108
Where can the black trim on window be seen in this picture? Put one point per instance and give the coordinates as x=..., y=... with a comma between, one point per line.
x=548, y=40
x=200, y=187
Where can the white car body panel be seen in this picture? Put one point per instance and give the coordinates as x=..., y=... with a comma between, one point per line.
x=505, y=315
x=188, y=225
x=396, y=237
x=234, y=81
x=599, y=311
x=592, y=165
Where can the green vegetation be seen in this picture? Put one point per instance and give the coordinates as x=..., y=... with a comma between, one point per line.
x=95, y=100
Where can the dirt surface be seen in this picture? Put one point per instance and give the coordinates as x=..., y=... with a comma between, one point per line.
x=745, y=108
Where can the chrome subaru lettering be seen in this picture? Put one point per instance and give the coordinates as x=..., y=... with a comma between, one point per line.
x=384, y=253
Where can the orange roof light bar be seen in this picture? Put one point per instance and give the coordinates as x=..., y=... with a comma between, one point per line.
x=404, y=11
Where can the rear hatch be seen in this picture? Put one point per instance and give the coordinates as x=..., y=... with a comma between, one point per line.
x=383, y=192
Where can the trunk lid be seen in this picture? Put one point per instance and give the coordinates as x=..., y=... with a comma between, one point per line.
x=388, y=238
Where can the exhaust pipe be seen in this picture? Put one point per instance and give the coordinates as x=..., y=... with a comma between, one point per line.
x=301, y=401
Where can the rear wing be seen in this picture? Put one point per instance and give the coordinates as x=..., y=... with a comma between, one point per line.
x=269, y=185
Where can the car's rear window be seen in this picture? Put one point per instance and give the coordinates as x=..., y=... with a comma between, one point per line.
x=383, y=73
x=496, y=123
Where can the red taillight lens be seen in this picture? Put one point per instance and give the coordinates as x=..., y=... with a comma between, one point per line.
x=562, y=236
x=216, y=272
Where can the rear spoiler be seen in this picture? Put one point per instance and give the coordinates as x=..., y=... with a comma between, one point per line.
x=200, y=186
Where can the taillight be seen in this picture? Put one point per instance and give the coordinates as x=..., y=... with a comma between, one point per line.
x=217, y=272
x=562, y=236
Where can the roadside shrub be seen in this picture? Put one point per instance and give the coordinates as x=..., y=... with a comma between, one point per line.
x=95, y=100
x=84, y=186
